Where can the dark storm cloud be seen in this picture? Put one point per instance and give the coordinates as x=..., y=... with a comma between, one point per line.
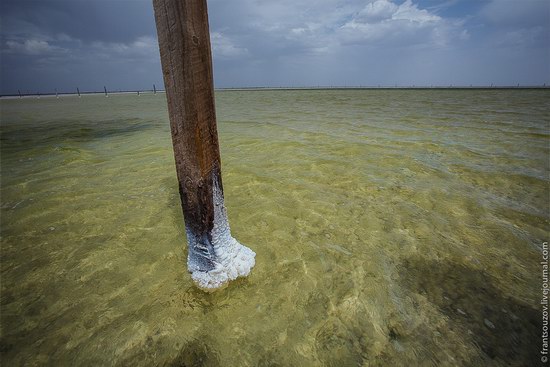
x=61, y=44
x=64, y=44
x=100, y=20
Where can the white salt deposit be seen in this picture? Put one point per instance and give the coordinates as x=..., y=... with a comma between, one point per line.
x=231, y=259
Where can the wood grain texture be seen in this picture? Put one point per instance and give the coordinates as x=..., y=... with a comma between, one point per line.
x=184, y=43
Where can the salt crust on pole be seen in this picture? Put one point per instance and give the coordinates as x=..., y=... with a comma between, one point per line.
x=231, y=259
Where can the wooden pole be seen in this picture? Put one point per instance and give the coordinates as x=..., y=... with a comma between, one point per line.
x=154, y=89
x=78, y=91
x=105, y=89
x=214, y=256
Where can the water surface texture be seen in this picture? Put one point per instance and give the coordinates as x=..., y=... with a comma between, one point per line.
x=392, y=228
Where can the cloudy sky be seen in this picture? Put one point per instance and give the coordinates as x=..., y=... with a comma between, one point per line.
x=63, y=44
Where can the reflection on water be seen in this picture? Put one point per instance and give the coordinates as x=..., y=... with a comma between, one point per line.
x=395, y=228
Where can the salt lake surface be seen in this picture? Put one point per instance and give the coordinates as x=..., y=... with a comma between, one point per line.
x=391, y=227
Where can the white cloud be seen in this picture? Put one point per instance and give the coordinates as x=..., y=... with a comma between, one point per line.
x=385, y=10
x=144, y=49
x=409, y=11
x=144, y=45
x=385, y=23
x=287, y=27
x=377, y=11
x=32, y=47
x=222, y=46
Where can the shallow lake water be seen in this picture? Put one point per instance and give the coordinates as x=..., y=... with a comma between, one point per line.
x=391, y=227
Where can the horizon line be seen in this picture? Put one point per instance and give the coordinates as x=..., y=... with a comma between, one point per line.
x=319, y=87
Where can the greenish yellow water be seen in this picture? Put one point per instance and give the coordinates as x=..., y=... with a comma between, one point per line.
x=392, y=228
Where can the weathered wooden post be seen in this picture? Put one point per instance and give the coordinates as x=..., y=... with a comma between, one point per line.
x=214, y=256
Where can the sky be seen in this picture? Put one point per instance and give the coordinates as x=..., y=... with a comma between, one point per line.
x=64, y=44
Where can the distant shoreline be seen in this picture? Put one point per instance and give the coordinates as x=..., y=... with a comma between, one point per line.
x=386, y=87
x=49, y=95
x=82, y=94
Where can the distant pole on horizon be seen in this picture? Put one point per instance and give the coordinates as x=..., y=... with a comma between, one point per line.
x=105, y=89
x=138, y=92
x=214, y=256
x=18, y=91
x=78, y=91
x=154, y=89
x=56, y=95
